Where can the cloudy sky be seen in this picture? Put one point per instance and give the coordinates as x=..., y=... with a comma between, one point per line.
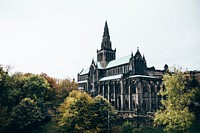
x=60, y=37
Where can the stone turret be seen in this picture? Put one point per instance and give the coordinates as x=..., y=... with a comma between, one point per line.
x=140, y=63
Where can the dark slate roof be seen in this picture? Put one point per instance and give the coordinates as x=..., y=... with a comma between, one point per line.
x=113, y=63
x=120, y=61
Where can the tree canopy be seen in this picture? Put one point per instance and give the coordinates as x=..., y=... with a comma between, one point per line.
x=26, y=117
x=175, y=114
x=81, y=113
x=18, y=92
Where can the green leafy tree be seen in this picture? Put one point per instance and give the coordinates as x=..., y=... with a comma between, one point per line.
x=5, y=105
x=81, y=113
x=74, y=113
x=103, y=114
x=36, y=87
x=175, y=114
x=4, y=85
x=15, y=92
x=14, y=88
x=26, y=117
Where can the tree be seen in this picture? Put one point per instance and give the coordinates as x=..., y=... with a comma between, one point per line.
x=51, y=92
x=64, y=88
x=104, y=115
x=4, y=85
x=36, y=88
x=175, y=114
x=15, y=92
x=5, y=106
x=75, y=113
x=26, y=117
x=81, y=113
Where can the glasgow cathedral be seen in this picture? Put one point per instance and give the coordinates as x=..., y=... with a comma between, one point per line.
x=127, y=83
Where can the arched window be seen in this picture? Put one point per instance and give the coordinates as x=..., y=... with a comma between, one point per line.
x=133, y=89
x=133, y=104
x=126, y=103
x=152, y=89
x=139, y=88
x=119, y=99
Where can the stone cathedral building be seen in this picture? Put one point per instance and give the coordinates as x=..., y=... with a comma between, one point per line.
x=127, y=83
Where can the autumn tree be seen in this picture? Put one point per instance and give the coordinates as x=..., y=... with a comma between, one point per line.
x=175, y=114
x=64, y=88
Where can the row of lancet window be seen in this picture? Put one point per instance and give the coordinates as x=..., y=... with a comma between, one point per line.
x=117, y=70
x=110, y=56
x=83, y=77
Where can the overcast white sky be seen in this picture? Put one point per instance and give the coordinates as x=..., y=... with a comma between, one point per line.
x=60, y=37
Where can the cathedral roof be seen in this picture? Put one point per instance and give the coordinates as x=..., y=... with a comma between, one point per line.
x=119, y=61
x=114, y=63
x=111, y=77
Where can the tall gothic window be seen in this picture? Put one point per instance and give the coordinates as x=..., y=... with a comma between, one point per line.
x=133, y=89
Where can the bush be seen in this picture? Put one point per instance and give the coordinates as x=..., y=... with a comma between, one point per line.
x=127, y=127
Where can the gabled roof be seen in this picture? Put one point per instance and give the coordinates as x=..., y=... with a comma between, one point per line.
x=119, y=61
x=114, y=63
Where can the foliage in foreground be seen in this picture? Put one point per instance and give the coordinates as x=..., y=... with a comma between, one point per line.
x=26, y=117
x=175, y=114
x=46, y=92
x=130, y=127
x=81, y=113
x=127, y=127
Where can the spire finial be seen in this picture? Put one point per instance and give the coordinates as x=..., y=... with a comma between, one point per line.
x=137, y=48
x=106, y=31
x=138, y=52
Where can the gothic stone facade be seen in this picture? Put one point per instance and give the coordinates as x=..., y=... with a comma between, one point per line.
x=127, y=83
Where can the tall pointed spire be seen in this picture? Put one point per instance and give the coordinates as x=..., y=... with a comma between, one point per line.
x=106, y=53
x=106, y=43
x=106, y=31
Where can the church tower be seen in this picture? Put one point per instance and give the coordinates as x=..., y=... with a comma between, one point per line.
x=106, y=53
